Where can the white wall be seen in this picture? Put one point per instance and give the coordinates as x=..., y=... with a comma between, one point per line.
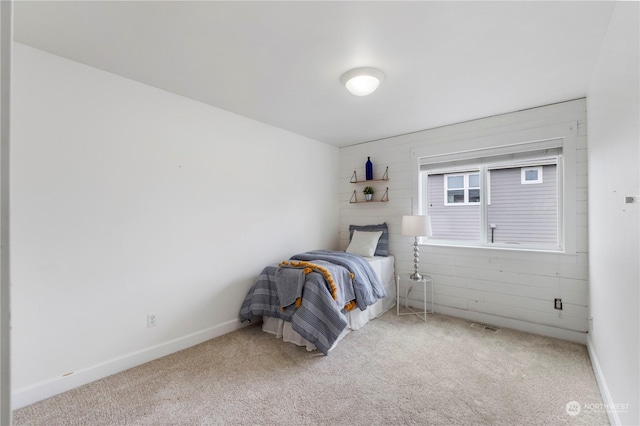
x=6, y=30
x=614, y=231
x=128, y=201
x=507, y=288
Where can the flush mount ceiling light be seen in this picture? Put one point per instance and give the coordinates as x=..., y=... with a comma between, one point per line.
x=362, y=81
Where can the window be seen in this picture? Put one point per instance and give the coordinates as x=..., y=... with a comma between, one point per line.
x=461, y=189
x=531, y=175
x=502, y=200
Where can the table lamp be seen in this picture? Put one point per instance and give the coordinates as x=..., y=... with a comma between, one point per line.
x=416, y=226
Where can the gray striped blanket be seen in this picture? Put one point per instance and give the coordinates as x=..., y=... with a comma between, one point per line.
x=366, y=284
x=320, y=319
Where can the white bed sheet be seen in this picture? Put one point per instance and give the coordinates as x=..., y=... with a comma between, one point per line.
x=356, y=319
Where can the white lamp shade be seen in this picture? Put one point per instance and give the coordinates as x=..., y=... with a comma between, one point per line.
x=416, y=226
x=362, y=81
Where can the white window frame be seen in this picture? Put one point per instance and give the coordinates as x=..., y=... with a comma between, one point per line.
x=523, y=175
x=516, y=138
x=465, y=188
x=484, y=172
x=487, y=190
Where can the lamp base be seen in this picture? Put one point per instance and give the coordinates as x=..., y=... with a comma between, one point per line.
x=416, y=276
x=416, y=257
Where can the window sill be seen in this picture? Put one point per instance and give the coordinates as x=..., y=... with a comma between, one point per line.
x=498, y=248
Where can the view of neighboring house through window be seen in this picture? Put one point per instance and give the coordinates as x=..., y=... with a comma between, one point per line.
x=531, y=175
x=462, y=189
x=524, y=212
x=453, y=215
x=502, y=200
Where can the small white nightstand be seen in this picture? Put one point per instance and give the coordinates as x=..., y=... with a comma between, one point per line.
x=409, y=283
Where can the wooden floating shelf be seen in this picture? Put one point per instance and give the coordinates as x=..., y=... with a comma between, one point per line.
x=384, y=199
x=370, y=180
x=385, y=177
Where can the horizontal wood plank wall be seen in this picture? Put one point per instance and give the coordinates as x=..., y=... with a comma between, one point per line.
x=506, y=288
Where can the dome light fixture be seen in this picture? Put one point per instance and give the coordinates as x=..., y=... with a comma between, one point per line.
x=362, y=81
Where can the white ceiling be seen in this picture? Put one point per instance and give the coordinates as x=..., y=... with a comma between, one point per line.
x=281, y=62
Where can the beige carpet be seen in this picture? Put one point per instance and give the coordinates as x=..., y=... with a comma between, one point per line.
x=396, y=370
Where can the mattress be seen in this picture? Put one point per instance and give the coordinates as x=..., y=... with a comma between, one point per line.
x=356, y=319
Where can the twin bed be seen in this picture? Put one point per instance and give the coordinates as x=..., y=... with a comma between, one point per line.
x=315, y=298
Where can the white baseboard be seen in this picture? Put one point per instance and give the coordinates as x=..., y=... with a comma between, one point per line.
x=494, y=320
x=602, y=385
x=48, y=388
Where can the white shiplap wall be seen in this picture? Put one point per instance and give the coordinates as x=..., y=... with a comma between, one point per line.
x=506, y=288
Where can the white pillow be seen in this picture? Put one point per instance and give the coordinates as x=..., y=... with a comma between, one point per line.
x=364, y=243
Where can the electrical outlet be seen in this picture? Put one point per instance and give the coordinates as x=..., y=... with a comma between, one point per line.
x=151, y=321
x=558, y=304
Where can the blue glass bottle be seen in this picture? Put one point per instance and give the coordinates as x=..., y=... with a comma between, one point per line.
x=369, y=169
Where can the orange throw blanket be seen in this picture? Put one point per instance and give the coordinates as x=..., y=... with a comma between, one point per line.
x=307, y=268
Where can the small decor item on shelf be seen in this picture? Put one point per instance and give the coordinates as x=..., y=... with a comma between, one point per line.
x=368, y=193
x=369, y=169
